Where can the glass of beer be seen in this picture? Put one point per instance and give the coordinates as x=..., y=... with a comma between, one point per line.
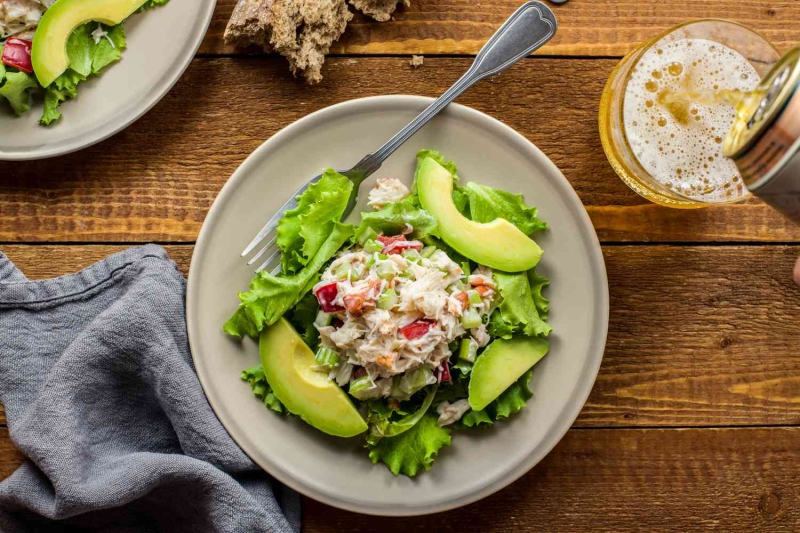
x=669, y=105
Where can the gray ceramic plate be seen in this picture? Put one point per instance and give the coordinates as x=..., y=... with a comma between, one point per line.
x=337, y=471
x=161, y=44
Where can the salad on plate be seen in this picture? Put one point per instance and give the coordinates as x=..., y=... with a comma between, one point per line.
x=425, y=318
x=48, y=47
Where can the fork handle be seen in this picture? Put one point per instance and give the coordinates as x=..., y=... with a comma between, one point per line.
x=525, y=31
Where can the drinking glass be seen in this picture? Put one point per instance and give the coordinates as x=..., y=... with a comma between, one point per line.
x=750, y=44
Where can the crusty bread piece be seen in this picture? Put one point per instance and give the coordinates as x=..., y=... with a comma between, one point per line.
x=380, y=10
x=300, y=30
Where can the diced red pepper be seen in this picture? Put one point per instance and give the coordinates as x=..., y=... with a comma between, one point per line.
x=326, y=294
x=417, y=329
x=400, y=247
x=388, y=239
x=444, y=373
x=17, y=54
x=336, y=323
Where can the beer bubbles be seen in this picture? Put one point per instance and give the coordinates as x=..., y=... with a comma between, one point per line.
x=678, y=108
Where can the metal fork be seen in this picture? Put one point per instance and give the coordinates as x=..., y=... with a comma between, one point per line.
x=531, y=26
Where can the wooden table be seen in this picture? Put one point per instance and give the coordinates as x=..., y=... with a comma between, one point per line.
x=693, y=421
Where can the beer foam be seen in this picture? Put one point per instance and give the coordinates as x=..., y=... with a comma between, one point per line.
x=680, y=143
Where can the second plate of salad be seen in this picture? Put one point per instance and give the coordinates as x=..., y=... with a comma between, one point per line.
x=74, y=72
x=425, y=351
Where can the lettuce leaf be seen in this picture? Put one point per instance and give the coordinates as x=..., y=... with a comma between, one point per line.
x=487, y=204
x=302, y=230
x=517, y=312
x=150, y=4
x=272, y=296
x=413, y=450
x=86, y=58
x=258, y=382
x=538, y=284
x=424, y=154
x=16, y=90
x=303, y=316
x=513, y=399
x=393, y=218
x=381, y=427
x=474, y=419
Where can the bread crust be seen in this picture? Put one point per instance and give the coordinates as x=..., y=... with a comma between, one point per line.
x=300, y=30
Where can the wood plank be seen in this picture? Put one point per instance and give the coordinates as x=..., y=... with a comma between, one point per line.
x=699, y=335
x=10, y=457
x=586, y=27
x=615, y=480
x=156, y=180
x=627, y=480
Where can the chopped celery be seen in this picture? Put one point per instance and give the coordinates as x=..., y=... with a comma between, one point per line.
x=466, y=268
x=368, y=235
x=344, y=271
x=411, y=255
x=323, y=319
x=468, y=350
x=428, y=251
x=387, y=300
x=386, y=270
x=383, y=257
x=373, y=246
x=471, y=319
x=474, y=297
x=359, y=386
x=326, y=357
x=407, y=384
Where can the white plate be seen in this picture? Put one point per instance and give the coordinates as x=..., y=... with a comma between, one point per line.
x=161, y=43
x=337, y=471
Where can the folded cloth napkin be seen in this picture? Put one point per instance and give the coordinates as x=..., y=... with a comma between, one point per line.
x=101, y=395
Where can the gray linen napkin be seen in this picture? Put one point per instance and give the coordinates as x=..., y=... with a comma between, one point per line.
x=101, y=396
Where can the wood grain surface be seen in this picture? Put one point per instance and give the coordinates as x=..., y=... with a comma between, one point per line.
x=614, y=480
x=698, y=336
x=586, y=27
x=694, y=421
x=143, y=186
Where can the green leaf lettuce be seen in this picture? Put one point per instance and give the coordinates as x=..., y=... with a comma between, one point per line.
x=258, y=382
x=16, y=90
x=487, y=204
x=414, y=450
x=86, y=58
x=393, y=218
x=518, y=310
x=271, y=296
x=302, y=230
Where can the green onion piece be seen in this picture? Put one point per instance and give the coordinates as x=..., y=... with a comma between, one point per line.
x=373, y=246
x=323, y=319
x=387, y=300
x=471, y=319
x=327, y=357
x=474, y=297
x=465, y=267
x=428, y=251
x=383, y=257
x=359, y=385
x=368, y=235
x=468, y=350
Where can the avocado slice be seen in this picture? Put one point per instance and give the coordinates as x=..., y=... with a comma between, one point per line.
x=498, y=244
x=49, y=50
x=503, y=363
x=289, y=367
